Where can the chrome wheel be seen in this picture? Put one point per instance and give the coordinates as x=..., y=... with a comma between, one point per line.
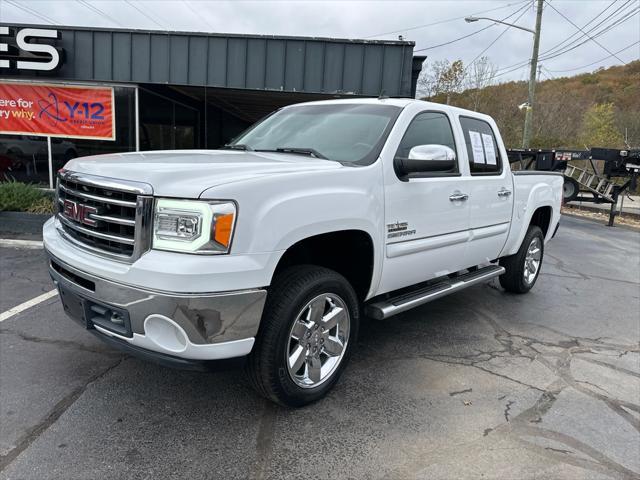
x=532, y=260
x=318, y=340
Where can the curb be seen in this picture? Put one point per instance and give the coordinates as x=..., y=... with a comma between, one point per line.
x=604, y=211
x=26, y=244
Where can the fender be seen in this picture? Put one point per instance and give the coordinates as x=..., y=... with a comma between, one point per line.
x=541, y=195
x=276, y=212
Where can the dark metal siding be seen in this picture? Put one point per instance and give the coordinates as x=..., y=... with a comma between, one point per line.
x=312, y=65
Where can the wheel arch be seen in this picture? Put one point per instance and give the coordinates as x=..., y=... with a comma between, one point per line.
x=348, y=252
x=541, y=217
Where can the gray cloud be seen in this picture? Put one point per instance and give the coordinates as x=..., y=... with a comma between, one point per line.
x=360, y=19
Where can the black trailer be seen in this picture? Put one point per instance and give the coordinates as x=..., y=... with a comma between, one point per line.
x=580, y=182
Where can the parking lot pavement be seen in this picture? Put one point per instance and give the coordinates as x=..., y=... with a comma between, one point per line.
x=479, y=384
x=22, y=276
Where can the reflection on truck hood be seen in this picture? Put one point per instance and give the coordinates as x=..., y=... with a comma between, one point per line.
x=187, y=173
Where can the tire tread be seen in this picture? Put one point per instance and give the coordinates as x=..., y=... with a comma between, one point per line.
x=284, y=291
x=512, y=280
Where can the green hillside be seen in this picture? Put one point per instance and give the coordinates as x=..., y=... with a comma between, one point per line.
x=570, y=112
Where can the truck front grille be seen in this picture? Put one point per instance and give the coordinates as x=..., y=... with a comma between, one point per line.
x=108, y=217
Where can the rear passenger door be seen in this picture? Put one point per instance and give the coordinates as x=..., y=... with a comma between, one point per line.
x=490, y=191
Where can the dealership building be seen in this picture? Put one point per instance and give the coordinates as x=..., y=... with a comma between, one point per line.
x=168, y=90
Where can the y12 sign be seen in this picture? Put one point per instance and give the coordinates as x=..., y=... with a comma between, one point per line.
x=57, y=111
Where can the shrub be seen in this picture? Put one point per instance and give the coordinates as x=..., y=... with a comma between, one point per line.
x=22, y=197
x=42, y=206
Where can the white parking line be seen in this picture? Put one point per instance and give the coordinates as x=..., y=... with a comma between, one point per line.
x=28, y=304
x=9, y=242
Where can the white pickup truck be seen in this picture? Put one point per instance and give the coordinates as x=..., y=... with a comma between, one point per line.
x=274, y=248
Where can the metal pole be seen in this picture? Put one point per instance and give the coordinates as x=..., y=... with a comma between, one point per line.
x=50, y=155
x=528, y=119
x=137, y=120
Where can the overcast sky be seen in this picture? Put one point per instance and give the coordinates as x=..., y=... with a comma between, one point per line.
x=381, y=20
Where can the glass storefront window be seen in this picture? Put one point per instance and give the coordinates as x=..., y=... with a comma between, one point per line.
x=166, y=124
x=24, y=158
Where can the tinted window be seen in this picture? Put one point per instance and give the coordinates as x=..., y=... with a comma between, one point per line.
x=427, y=128
x=343, y=132
x=482, y=149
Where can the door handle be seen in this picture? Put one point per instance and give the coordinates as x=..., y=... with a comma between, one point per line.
x=457, y=196
x=504, y=192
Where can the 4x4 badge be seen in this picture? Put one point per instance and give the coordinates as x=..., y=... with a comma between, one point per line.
x=399, y=229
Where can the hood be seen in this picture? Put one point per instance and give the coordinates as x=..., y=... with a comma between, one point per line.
x=187, y=173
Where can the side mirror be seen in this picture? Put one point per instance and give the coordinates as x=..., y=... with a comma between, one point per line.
x=428, y=159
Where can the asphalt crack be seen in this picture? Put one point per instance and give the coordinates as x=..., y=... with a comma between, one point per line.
x=264, y=441
x=507, y=408
x=59, y=408
x=65, y=343
x=460, y=392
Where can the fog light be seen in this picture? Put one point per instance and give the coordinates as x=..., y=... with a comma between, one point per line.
x=165, y=333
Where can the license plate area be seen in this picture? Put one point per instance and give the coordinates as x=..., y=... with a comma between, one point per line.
x=90, y=313
x=110, y=318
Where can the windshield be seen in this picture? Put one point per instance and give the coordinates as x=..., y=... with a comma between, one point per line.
x=348, y=133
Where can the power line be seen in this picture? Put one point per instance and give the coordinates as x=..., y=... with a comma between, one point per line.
x=439, y=22
x=30, y=11
x=558, y=50
x=567, y=39
x=617, y=23
x=572, y=23
x=133, y=5
x=199, y=17
x=550, y=53
x=597, y=61
x=99, y=12
x=546, y=73
x=466, y=36
x=524, y=10
x=572, y=46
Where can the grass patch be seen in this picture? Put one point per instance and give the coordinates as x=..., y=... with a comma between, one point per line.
x=22, y=197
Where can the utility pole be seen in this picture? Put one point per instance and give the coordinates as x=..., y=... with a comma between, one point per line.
x=528, y=119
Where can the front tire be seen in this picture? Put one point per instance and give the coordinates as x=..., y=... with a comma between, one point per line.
x=308, y=329
x=523, y=268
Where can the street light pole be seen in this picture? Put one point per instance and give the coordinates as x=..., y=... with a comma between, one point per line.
x=528, y=119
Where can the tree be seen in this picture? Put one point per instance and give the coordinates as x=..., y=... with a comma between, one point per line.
x=599, y=127
x=441, y=77
x=480, y=74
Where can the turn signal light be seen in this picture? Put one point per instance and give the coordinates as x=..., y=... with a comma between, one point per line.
x=223, y=226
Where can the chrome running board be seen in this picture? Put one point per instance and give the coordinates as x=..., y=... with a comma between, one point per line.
x=383, y=309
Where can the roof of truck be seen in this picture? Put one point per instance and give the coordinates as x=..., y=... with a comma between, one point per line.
x=398, y=102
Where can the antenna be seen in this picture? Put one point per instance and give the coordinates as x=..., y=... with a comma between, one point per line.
x=382, y=95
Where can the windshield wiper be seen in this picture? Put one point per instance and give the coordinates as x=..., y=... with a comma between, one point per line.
x=238, y=146
x=302, y=151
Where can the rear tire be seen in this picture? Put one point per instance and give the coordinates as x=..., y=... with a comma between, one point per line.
x=523, y=268
x=570, y=189
x=308, y=329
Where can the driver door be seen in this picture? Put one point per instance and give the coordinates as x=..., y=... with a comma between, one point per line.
x=426, y=214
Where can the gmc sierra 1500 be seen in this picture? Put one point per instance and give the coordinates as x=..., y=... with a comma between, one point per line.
x=273, y=248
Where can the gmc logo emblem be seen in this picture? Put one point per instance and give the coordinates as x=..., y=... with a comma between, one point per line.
x=79, y=212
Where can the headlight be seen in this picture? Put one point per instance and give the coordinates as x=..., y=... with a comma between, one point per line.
x=193, y=226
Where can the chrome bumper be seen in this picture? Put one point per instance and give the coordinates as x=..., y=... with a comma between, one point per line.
x=199, y=326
